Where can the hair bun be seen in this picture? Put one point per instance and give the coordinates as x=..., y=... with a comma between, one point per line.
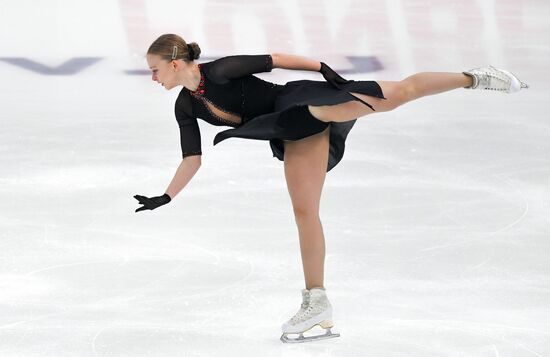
x=194, y=50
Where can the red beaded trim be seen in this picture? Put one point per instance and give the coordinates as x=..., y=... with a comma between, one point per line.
x=200, y=88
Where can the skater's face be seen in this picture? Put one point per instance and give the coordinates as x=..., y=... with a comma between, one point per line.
x=163, y=71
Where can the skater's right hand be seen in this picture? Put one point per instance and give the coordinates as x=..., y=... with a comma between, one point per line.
x=332, y=77
x=153, y=202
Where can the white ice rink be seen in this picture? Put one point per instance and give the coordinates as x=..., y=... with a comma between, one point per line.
x=437, y=220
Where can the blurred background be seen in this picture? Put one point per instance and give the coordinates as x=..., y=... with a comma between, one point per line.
x=436, y=221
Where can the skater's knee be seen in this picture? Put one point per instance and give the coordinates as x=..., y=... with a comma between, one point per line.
x=406, y=91
x=305, y=213
x=397, y=94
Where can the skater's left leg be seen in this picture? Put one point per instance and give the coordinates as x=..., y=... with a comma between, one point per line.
x=396, y=93
x=305, y=165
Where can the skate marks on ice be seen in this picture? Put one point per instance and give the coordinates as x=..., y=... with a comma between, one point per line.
x=465, y=205
x=487, y=336
x=104, y=285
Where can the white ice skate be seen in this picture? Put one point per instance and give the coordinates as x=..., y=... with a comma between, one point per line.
x=492, y=78
x=316, y=310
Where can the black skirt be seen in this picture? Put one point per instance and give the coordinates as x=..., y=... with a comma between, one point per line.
x=292, y=119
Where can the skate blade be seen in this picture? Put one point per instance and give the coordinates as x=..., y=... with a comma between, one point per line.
x=301, y=338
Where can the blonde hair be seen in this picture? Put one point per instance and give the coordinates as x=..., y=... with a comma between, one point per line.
x=171, y=46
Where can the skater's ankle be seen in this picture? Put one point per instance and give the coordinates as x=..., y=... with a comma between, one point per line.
x=468, y=80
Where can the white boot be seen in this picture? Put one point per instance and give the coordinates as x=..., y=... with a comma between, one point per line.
x=492, y=78
x=315, y=310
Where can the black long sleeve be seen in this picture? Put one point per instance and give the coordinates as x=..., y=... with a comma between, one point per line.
x=232, y=67
x=190, y=136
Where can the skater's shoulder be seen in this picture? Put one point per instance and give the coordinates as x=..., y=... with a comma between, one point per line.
x=183, y=105
x=237, y=66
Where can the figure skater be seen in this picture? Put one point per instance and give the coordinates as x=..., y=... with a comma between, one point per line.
x=306, y=123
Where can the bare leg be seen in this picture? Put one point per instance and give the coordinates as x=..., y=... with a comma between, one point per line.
x=305, y=170
x=306, y=161
x=397, y=93
x=429, y=83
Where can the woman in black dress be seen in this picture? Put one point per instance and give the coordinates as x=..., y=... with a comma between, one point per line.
x=306, y=123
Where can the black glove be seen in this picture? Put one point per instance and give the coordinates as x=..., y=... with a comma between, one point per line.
x=153, y=202
x=332, y=77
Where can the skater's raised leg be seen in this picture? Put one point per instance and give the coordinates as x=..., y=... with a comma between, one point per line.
x=397, y=93
x=417, y=86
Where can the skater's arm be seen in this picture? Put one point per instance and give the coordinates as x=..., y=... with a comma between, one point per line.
x=286, y=61
x=190, y=142
x=232, y=67
x=187, y=169
x=191, y=154
x=185, y=172
x=282, y=60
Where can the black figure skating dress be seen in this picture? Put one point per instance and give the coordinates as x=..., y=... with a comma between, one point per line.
x=229, y=95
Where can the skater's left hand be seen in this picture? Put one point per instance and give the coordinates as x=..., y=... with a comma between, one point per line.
x=153, y=202
x=332, y=77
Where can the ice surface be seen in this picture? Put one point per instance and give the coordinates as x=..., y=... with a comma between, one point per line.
x=437, y=221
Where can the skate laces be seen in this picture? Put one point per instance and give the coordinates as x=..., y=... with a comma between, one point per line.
x=303, y=308
x=301, y=314
x=307, y=312
x=306, y=299
x=497, y=80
